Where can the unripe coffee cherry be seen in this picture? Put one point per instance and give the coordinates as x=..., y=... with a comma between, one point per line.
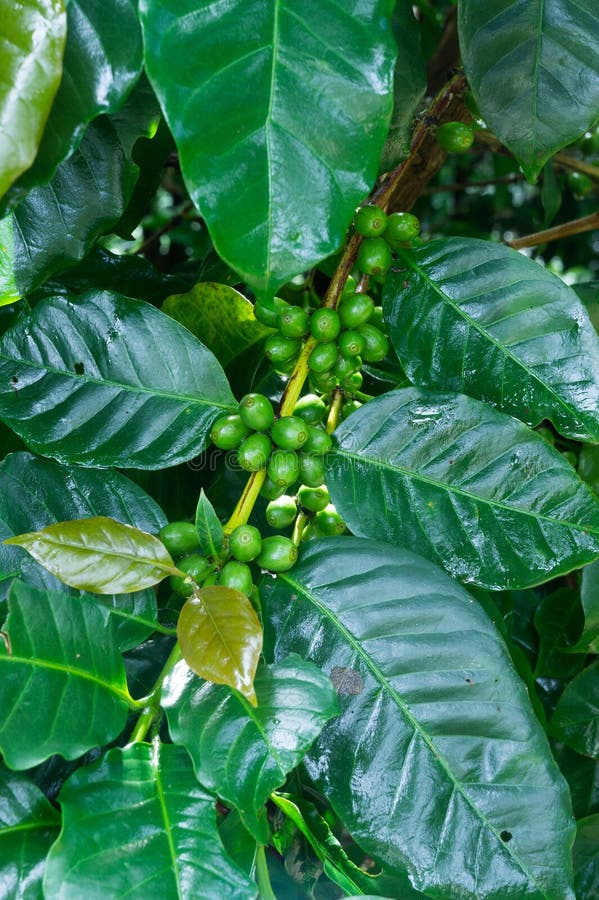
x=294, y=322
x=278, y=554
x=195, y=565
x=228, y=432
x=281, y=513
x=245, y=543
x=401, y=226
x=325, y=325
x=254, y=453
x=237, y=575
x=289, y=432
x=355, y=309
x=311, y=409
x=283, y=468
x=370, y=221
x=313, y=498
x=374, y=256
x=179, y=538
x=455, y=137
x=256, y=412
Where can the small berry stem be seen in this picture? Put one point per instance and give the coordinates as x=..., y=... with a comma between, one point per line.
x=152, y=705
x=335, y=411
x=245, y=504
x=298, y=528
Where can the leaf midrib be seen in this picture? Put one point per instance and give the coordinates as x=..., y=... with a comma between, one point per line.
x=161, y=798
x=418, y=476
x=568, y=409
x=39, y=824
x=36, y=663
x=385, y=685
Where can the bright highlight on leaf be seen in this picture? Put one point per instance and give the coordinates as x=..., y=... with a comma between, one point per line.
x=221, y=638
x=99, y=555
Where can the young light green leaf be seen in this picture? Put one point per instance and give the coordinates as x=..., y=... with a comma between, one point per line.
x=219, y=316
x=534, y=71
x=437, y=760
x=33, y=37
x=62, y=684
x=28, y=826
x=576, y=717
x=99, y=555
x=468, y=486
x=148, y=403
x=586, y=858
x=211, y=533
x=479, y=318
x=102, y=61
x=270, y=104
x=221, y=638
x=145, y=801
x=240, y=753
x=8, y=285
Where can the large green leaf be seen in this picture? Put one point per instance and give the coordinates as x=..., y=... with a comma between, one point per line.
x=534, y=70
x=8, y=284
x=465, y=486
x=221, y=637
x=28, y=826
x=138, y=824
x=36, y=492
x=102, y=61
x=586, y=858
x=57, y=224
x=31, y=48
x=477, y=317
x=437, y=760
x=107, y=381
x=576, y=718
x=99, y=555
x=589, y=597
x=62, y=684
x=409, y=85
x=220, y=317
x=271, y=105
x=243, y=753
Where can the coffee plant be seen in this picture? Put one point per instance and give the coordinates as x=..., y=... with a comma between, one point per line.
x=299, y=409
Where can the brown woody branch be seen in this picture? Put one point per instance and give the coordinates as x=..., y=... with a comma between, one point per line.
x=576, y=226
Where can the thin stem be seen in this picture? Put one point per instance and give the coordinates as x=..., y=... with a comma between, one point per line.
x=576, y=226
x=335, y=411
x=298, y=528
x=265, y=891
x=245, y=504
x=152, y=707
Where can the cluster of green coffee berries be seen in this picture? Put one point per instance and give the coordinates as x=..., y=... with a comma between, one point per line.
x=319, y=516
x=382, y=235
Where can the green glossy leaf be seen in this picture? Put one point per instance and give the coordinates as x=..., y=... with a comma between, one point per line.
x=148, y=403
x=28, y=826
x=271, y=105
x=586, y=858
x=588, y=466
x=211, y=534
x=102, y=61
x=534, y=71
x=237, y=841
x=221, y=638
x=62, y=684
x=32, y=45
x=437, y=760
x=582, y=775
x=477, y=317
x=465, y=485
x=589, y=294
x=221, y=317
x=99, y=555
x=589, y=597
x=240, y=753
x=576, y=719
x=138, y=824
x=36, y=492
x=409, y=85
x=558, y=620
x=57, y=224
x=8, y=284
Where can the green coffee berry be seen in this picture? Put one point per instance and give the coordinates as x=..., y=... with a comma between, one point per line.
x=355, y=309
x=278, y=554
x=377, y=319
x=322, y=357
x=323, y=382
x=281, y=513
x=352, y=383
x=374, y=256
x=270, y=490
x=195, y=565
x=294, y=322
x=289, y=432
x=325, y=325
x=345, y=365
x=179, y=538
x=254, y=453
x=349, y=407
x=283, y=468
x=376, y=345
x=269, y=315
x=311, y=532
x=237, y=575
x=245, y=543
x=401, y=227
x=350, y=343
x=319, y=442
x=313, y=498
x=370, y=221
x=311, y=469
x=329, y=521
x=311, y=409
x=455, y=137
x=256, y=412
x=228, y=432
x=280, y=349
x=580, y=184
x=284, y=368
